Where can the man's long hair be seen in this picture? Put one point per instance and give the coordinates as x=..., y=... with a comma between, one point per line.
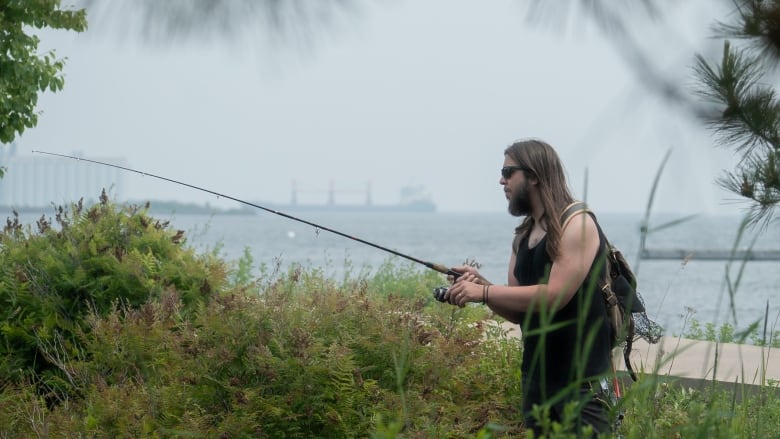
x=542, y=162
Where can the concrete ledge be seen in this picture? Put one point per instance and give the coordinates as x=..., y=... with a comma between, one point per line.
x=702, y=360
x=696, y=360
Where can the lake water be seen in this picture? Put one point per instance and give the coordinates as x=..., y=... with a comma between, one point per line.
x=671, y=289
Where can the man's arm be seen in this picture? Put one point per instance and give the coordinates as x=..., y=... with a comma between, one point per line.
x=578, y=247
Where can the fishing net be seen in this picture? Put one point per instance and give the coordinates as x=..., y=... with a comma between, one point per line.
x=644, y=327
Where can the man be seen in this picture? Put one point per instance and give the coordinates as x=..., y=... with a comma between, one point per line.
x=550, y=291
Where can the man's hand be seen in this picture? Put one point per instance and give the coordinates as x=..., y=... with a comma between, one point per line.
x=465, y=290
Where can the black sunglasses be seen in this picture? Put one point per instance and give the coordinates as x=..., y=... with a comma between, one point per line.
x=507, y=171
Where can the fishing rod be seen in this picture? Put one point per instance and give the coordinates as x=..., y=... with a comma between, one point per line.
x=438, y=267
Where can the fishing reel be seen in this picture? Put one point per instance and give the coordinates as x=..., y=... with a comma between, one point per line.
x=439, y=292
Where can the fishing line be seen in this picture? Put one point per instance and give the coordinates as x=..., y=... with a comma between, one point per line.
x=437, y=267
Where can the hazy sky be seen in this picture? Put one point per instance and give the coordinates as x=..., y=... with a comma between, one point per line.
x=423, y=92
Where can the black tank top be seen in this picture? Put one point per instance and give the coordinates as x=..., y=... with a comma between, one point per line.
x=567, y=345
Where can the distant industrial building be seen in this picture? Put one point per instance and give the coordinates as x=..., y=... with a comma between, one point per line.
x=37, y=180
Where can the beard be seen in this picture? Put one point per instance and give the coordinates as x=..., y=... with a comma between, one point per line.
x=520, y=202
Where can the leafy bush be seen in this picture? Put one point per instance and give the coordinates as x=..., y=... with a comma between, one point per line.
x=726, y=333
x=88, y=261
x=134, y=345
x=302, y=359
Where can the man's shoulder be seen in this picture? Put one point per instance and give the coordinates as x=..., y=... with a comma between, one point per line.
x=576, y=209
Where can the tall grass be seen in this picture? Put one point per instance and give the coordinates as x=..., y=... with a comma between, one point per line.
x=718, y=410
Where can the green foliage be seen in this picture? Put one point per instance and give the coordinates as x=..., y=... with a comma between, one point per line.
x=658, y=409
x=89, y=261
x=24, y=73
x=114, y=309
x=726, y=333
x=242, y=275
x=302, y=357
x=747, y=113
x=709, y=332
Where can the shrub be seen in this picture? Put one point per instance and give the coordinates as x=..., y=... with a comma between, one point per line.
x=304, y=358
x=89, y=260
x=119, y=324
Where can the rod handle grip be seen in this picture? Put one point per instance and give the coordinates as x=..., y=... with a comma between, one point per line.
x=444, y=270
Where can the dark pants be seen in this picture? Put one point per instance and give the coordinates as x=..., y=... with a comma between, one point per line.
x=593, y=408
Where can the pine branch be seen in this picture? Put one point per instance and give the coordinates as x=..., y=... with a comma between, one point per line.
x=759, y=23
x=749, y=123
x=753, y=123
x=752, y=113
x=182, y=20
x=759, y=181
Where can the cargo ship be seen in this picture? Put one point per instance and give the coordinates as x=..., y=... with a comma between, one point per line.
x=412, y=199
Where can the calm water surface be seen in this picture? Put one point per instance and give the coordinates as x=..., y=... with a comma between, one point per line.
x=671, y=289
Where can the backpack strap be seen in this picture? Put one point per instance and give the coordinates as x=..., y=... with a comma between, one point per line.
x=577, y=208
x=571, y=211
